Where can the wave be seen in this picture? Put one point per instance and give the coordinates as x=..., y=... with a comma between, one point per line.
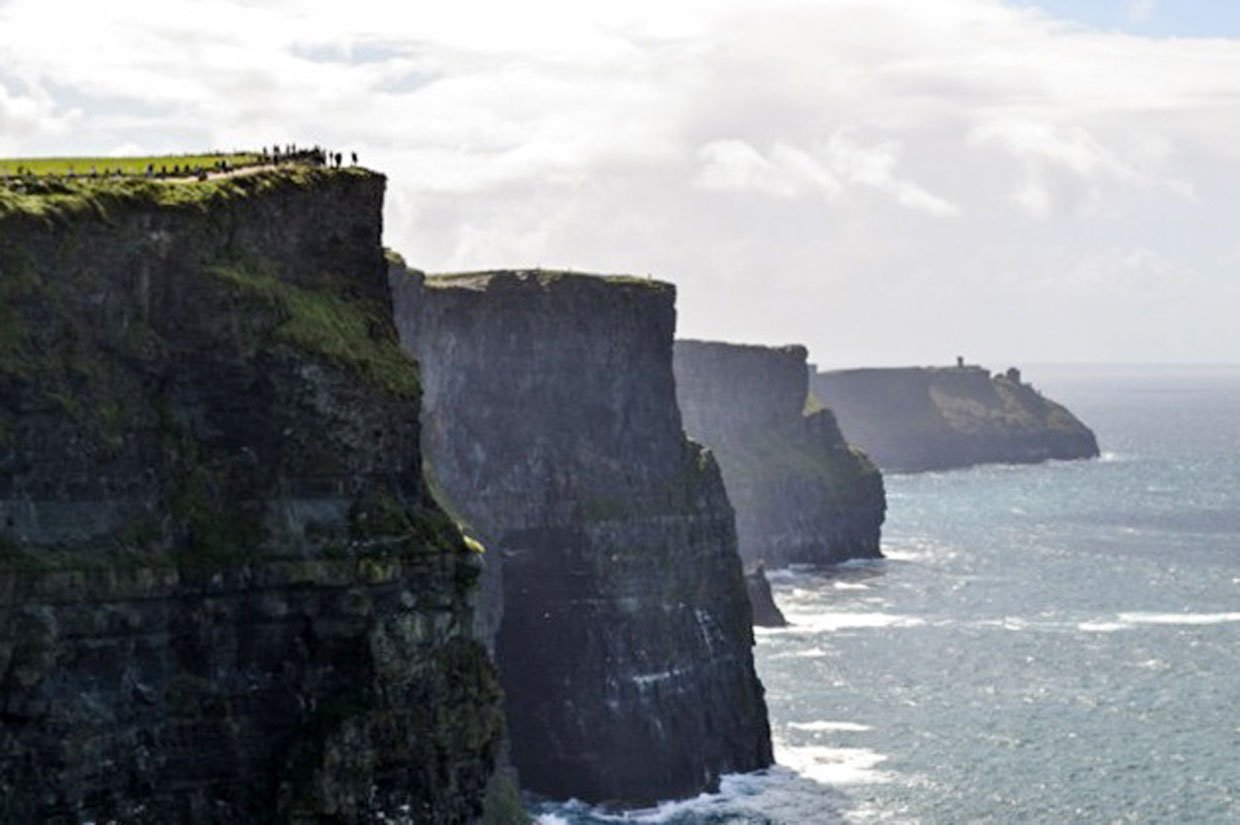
x=822, y=725
x=1103, y=627
x=1180, y=618
x=1131, y=621
x=777, y=796
x=575, y=811
x=833, y=766
x=800, y=623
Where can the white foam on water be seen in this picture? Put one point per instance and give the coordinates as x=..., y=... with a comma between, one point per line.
x=1103, y=627
x=823, y=725
x=863, y=564
x=670, y=811
x=918, y=551
x=826, y=622
x=833, y=766
x=849, y=586
x=1131, y=621
x=1179, y=618
x=782, y=574
x=810, y=653
x=1006, y=623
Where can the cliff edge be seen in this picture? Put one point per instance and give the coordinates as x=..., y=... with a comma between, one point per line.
x=801, y=493
x=931, y=418
x=550, y=427
x=226, y=594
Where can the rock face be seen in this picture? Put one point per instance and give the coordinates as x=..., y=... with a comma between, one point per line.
x=765, y=612
x=923, y=418
x=226, y=594
x=551, y=427
x=801, y=494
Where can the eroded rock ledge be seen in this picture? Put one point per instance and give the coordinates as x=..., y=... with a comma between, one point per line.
x=225, y=592
x=932, y=418
x=551, y=428
x=801, y=493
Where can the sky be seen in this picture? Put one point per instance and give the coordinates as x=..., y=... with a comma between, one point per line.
x=885, y=181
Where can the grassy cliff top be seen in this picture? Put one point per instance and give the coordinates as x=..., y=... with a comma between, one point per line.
x=541, y=277
x=891, y=372
x=794, y=350
x=124, y=165
x=51, y=198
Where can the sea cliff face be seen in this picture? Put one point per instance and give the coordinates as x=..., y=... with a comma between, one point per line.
x=923, y=418
x=225, y=592
x=801, y=493
x=551, y=428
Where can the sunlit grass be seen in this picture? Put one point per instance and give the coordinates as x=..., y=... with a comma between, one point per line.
x=125, y=165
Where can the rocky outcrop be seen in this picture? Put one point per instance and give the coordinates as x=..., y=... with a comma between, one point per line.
x=801, y=493
x=926, y=418
x=765, y=612
x=550, y=427
x=226, y=594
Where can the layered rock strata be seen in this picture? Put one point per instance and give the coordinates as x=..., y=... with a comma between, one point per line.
x=226, y=594
x=801, y=493
x=550, y=427
x=927, y=418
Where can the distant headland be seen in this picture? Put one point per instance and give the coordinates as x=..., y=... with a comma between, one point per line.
x=932, y=418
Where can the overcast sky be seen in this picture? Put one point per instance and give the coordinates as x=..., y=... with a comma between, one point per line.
x=885, y=181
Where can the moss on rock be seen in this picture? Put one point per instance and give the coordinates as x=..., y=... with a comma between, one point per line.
x=346, y=331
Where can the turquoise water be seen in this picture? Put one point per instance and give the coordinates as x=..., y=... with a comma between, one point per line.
x=1048, y=644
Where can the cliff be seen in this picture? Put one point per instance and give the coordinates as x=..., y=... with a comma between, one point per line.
x=765, y=612
x=923, y=418
x=550, y=426
x=226, y=594
x=801, y=493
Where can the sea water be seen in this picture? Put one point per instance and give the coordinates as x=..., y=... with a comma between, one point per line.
x=1057, y=643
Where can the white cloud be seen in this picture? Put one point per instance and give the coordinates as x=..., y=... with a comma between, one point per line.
x=735, y=166
x=1033, y=195
x=874, y=167
x=1072, y=147
x=788, y=172
x=27, y=116
x=708, y=141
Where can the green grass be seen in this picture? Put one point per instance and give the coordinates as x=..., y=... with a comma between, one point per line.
x=338, y=329
x=125, y=165
x=54, y=199
x=770, y=458
x=544, y=277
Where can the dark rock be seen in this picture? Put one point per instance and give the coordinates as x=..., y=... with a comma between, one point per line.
x=226, y=594
x=801, y=493
x=551, y=429
x=765, y=612
x=925, y=418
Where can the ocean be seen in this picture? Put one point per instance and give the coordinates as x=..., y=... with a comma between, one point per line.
x=1057, y=643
